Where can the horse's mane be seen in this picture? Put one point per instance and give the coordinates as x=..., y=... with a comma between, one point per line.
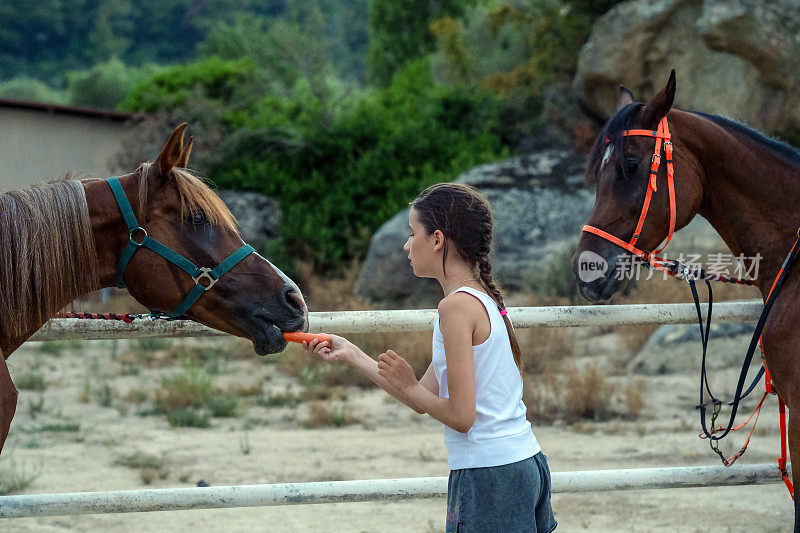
x=47, y=253
x=196, y=196
x=781, y=148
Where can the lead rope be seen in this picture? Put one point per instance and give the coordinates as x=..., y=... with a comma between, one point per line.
x=756, y=340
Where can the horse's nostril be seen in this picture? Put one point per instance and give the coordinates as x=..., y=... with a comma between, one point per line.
x=294, y=300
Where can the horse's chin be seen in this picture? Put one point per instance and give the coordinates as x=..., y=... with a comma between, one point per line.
x=268, y=340
x=603, y=291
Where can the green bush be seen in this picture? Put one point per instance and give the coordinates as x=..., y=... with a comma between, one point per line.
x=172, y=87
x=556, y=278
x=191, y=417
x=223, y=405
x=16, y=477
x=339, y=163
x=24, y=88
x=105, y=85
x=58, y=347
x=338, y=183
x=188, y=388
x=190, y=399
x=152, y=344
x=31, y=381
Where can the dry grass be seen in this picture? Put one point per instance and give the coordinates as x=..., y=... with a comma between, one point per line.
x=634, y=395
x=330, y=293
x=633, y=338
x=150, y=467
x=543, y=349
x=587, y=395
x=576, y=395
x=245, y=390
x=323, y=414
x=542, y=395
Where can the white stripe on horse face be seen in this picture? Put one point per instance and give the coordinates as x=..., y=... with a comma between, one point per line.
x=278, y=271
x=607, y=155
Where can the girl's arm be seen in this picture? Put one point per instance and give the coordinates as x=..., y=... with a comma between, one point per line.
x=342, y=349
x=457, y=318
x=429, y=381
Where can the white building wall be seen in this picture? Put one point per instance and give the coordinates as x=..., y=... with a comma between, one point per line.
x=42, y=144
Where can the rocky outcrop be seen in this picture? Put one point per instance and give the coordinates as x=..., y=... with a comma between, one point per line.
x=676, y=348
x=539, y=204
x=737, y=58
x=259, y=216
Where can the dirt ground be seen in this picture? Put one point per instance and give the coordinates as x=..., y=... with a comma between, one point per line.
x=75, y=433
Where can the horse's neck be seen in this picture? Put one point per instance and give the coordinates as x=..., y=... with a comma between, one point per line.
x=749, y=193
x=110, y=231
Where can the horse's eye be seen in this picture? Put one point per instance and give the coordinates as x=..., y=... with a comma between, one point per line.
x=631, y=166
x=199, y=219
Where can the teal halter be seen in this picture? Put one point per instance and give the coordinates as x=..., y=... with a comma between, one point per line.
x=211, y=275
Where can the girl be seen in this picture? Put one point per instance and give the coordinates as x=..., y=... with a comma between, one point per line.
x=499, y=478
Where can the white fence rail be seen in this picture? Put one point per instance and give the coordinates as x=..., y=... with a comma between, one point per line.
x=413, y=320
x=33, y=505
x=135, y=501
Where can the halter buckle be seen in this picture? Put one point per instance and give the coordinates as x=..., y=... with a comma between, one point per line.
x=205, y=273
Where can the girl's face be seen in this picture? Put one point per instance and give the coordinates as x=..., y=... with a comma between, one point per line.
x=421, y=247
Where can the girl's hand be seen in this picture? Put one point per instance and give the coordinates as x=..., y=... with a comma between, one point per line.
x=396, y=371
x=337, y=350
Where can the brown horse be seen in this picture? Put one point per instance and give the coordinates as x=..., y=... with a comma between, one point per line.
x=64, y=239
x=744, y=183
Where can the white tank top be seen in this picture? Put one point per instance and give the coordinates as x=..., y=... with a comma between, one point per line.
x=501, y=433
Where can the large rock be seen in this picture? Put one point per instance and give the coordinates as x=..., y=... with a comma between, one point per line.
x=539, y=203
x=676, y=348
x=259, y=216
x=737, y=58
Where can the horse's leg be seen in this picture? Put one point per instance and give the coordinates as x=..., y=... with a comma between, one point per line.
x=794, y=452
x=8, y=400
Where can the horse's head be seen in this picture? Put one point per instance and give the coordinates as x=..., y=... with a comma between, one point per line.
x=630, y=196
x=251, y=299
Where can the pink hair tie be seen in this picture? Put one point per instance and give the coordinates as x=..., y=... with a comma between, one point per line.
x=503, y=312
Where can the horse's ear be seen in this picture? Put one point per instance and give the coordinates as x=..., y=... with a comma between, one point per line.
x=171, y=153
x=183, y=160
x=625, y=97
x=660, y=105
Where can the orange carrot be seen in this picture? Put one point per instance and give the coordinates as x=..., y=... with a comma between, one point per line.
x=299, y=337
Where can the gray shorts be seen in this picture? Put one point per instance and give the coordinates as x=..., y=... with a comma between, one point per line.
x=508, y=498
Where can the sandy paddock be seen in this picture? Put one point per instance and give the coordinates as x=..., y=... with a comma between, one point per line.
x=271, y=445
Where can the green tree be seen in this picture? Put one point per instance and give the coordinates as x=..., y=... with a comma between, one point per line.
x=399, y=30
x=42, y=39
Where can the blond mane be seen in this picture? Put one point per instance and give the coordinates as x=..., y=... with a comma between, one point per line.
x=47, y=253
x=196, y=196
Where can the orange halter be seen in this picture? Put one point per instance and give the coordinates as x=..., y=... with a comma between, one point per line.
x=661, y=134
